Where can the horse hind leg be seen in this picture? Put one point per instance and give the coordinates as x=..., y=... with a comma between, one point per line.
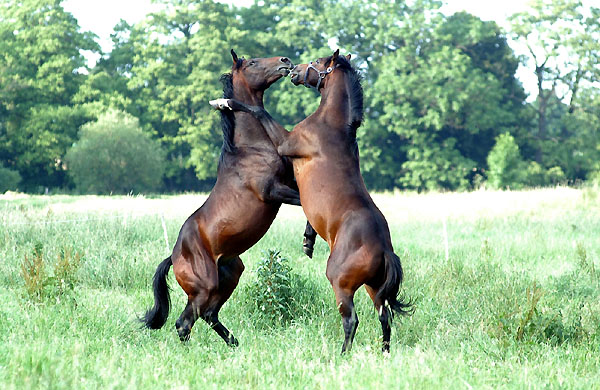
x=345, y=303
x=229, y=276
x=197, y=276
x=385, y=318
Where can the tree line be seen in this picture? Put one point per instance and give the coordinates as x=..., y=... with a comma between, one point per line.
x=443, y=107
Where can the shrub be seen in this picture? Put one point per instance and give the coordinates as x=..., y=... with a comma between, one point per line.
x=535, y=176
x=556, y=175
x=505, y=163
x=113, y=155
x=33, y=271
x=272, y=294
x=9, y=179
x=40, y=282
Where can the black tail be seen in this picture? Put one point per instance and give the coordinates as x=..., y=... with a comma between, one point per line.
x=389, y=291
x=156, y=317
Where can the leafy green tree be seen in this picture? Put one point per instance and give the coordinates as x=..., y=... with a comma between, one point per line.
x=446, y=90
x=296, y=29
x=41, y=69
x=114, y=155
x=505, y=163
x=561, y=38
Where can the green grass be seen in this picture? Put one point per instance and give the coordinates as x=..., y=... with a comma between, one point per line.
x=515, y=305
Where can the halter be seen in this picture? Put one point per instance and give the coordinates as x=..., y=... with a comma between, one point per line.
x=322, y=75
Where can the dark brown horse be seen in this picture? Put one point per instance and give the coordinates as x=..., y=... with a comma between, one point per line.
x=336, y=202
x=252, y=183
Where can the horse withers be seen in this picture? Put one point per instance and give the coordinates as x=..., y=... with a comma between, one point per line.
x=252, y=183
x=325, y=158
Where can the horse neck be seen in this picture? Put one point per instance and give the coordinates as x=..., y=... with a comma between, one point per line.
x=335, y=101
x=249, y=131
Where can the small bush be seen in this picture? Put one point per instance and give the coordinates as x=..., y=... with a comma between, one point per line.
x=40, y=284
x=65, y=270
x=113, y=155
x=535, y=176
x=9, y=179
x=272, y=295
x=505, y=163
x=556, y=175
x=33, y=271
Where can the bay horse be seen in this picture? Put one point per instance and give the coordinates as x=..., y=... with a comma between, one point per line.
x=252, y=183
x=325, y=159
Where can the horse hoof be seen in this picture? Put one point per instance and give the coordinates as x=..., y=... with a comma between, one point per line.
x=184, y=334
x=308, y=251
x=232, y=341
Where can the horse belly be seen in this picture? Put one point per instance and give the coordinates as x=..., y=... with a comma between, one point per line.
x=245, y=224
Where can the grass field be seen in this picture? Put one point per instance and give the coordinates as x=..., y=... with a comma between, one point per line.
x=506, y=287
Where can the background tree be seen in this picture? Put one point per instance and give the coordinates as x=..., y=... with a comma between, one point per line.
x=41, y=70
x=445, y=91
x=438, y=88
x=561, y=39
x=114, y=155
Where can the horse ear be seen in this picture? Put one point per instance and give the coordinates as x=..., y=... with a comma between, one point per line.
x=335, y=55
x=234, y=56
x=348, y=57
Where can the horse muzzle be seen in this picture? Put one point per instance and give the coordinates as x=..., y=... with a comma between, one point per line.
x=286, y=66
x=295, y=75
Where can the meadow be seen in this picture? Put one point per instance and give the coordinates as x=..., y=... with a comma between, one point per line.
x=505, y=284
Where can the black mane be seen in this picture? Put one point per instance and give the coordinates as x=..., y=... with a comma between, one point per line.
x=227, y=118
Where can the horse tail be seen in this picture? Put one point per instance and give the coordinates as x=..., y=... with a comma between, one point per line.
x=156, y=317
x=388, y=292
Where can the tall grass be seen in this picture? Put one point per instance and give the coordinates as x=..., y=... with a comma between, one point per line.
x=515, y=305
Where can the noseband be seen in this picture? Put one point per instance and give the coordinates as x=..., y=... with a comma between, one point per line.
x=322, y=75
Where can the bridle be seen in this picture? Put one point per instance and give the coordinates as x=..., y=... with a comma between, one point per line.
x=322, y=74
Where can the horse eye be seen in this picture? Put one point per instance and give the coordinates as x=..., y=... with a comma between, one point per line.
x=251, y=63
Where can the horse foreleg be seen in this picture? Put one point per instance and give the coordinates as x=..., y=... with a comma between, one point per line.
x=281, y=193
x=281, y=138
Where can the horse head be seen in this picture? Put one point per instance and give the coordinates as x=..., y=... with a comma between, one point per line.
x=259, y=73
x=311, y=75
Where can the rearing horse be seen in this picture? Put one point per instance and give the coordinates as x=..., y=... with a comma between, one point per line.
x=252, y=183
x=335, y=200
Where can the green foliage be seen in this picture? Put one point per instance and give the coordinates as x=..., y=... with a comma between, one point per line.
x=41, y=69
x=444, y=96
x=113, y=155
x=505, y=164
x=40, y=283
x=9, y=179
x=33, y=271
x=272, y=294
x=438, y=88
